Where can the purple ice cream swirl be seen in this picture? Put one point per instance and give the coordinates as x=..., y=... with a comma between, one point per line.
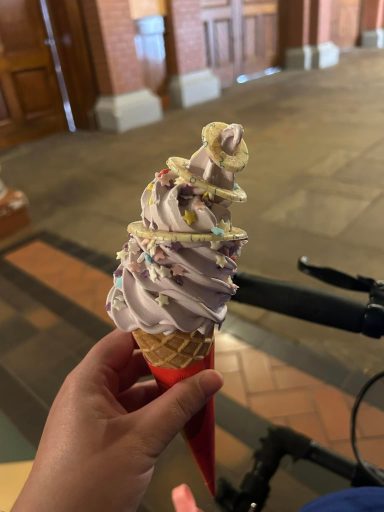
x=161, y=287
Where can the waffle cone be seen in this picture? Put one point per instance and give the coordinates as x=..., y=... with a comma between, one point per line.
x=176, y=350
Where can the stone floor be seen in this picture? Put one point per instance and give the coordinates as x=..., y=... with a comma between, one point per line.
x=315, y=185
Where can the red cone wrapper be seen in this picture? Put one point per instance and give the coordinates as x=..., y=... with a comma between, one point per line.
x=200, y=430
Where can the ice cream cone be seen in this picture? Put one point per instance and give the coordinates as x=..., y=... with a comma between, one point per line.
x=175, y=357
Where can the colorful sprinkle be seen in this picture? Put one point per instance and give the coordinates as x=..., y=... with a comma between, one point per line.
x=220, y=260
x=121, y=255
x=178, y=270
x=152, y=273
x=159, y=255
x=162, y=300
x=119, y=282
x=225, y=225
x=119, y=303
x=190, y=217
x=215, y=245
x=217, y=231
x=163, y=271
x=118, y=272
x=176, y=246
x=108, y=306
x=164, y=177
x=148, y=258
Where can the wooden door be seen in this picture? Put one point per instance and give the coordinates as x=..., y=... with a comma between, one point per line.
x=259, y=35
x=30, y=103
x=221, y=20
x=346, y=22
x=241, y=36
x=72, y=45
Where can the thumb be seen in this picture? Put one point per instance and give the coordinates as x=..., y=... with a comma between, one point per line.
x=163, y=418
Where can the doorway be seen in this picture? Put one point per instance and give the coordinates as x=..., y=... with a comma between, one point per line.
x=241, y=36
x=30, y=101
x=345, y=23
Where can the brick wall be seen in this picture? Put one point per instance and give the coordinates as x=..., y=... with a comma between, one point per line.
x=186, y=44
x=111, y=33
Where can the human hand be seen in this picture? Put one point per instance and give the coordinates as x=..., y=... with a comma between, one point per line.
x=105, y=431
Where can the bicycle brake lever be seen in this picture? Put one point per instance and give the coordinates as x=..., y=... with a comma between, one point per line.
x=335, y=277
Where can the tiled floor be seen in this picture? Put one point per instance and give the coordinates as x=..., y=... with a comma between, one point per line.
x=50, y=318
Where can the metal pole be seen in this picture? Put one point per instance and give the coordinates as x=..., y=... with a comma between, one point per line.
x=50, y=41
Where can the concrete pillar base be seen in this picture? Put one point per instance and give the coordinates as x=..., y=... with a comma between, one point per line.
x=193, y=88
x=307, y=57
x=373, y=38
x=126, y=111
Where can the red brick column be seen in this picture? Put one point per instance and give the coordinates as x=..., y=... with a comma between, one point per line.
x=372, y=23
x=191, y=81
x=305, y=34
x=125, y=102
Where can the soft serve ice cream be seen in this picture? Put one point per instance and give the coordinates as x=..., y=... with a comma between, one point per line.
x=182, y=283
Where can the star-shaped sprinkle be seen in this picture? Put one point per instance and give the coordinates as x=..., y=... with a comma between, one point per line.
x=217, y=231
x=119, y=282
x=120, y=255
x=164, y=177
x=178, y=270
x=225, y=225
x=215, y=245
x=163, y=271
x=159, y=255
x=198, y=204
x=151, y=247
x=119, y=303
x=190, y=217
x=176, y=246
x=209, y=196
x=134, y=266
x=220, y=260
x=133, y=246
x=162, y=300
x=152, y=273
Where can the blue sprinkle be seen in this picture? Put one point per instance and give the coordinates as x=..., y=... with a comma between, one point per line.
x=217, y=231
x=148, y=258
x=119, y=282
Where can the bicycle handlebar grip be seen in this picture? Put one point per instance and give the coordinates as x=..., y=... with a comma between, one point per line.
x=300, y=302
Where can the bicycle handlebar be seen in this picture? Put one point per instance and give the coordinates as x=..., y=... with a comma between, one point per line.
x=307, y=304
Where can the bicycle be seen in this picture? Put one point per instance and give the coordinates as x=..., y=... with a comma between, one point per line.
x=325, y=309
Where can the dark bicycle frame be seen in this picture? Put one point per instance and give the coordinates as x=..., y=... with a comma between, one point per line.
x=322, y=308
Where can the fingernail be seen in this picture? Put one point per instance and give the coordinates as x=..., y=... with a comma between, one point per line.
x=210, y=381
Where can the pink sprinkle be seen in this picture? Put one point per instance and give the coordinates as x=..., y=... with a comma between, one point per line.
x=159, y=255
x=178, y=270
